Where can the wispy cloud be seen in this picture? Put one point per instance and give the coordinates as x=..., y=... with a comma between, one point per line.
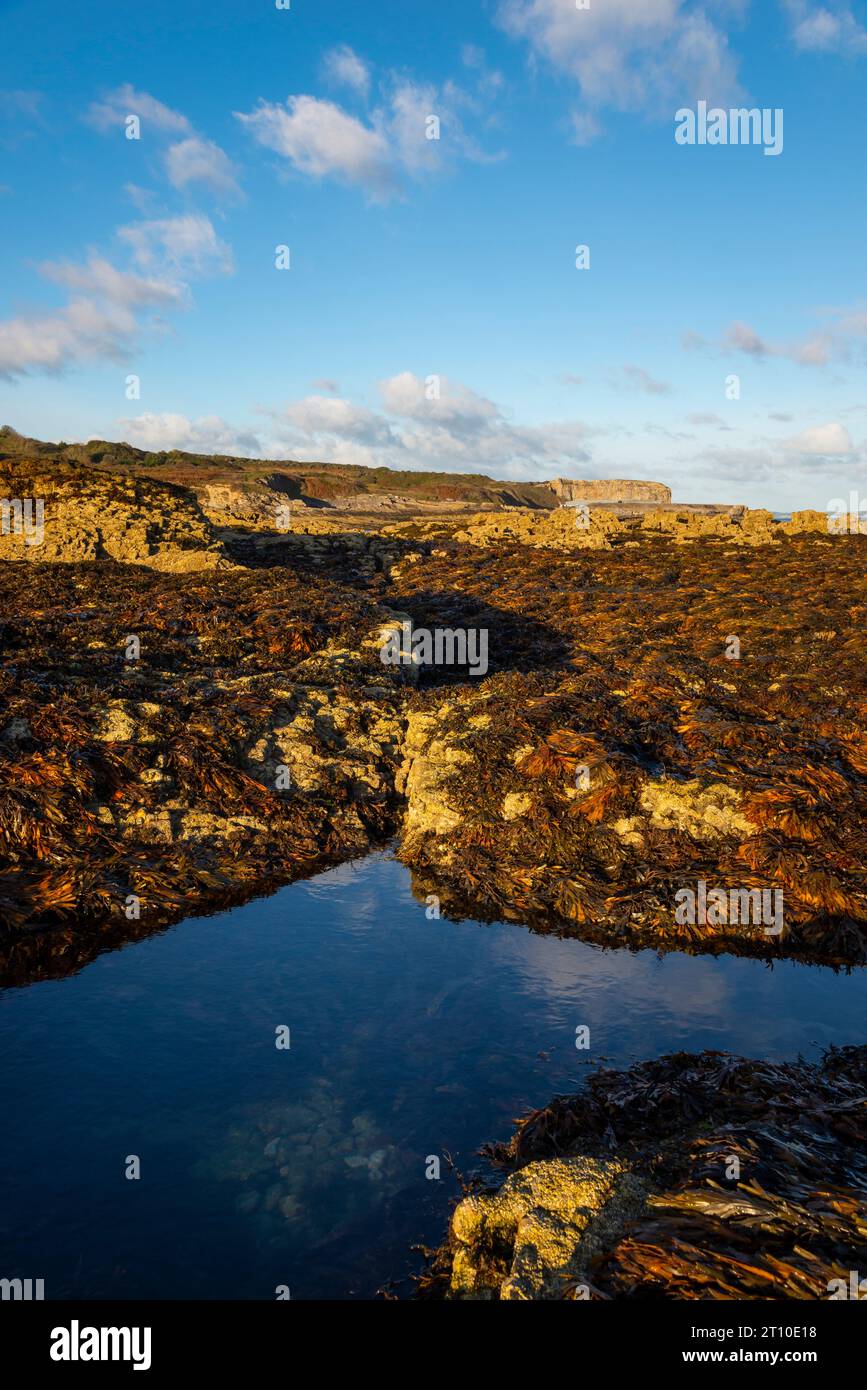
x=109, y=307
x=456, y=430
x=414, y=130
x=627, y=55
x=182, y=246
x=707, y=418
x=21, y=104
x=114, y=109
x=829, y=28
x=839, y=335
x=101, y=320
x=345, y=68
x=641, y=380
x=190, y=160
x=21, y=116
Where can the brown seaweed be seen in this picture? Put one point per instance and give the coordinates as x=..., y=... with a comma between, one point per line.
x=757, y=1175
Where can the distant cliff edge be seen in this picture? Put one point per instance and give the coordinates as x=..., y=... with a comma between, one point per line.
x=609, y=490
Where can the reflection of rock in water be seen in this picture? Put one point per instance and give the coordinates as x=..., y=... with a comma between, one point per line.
x=290, y=1160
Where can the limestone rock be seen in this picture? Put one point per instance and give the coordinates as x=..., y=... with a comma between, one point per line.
x=57, y=511
x=609, y=490
x=541, y=1229
x=742, y=527
x=706, y=811
x=516, y=804
x=564, y=529
x=820, y=523
x=428, y=761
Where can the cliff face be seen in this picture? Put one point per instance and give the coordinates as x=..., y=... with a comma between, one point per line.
x=239, y=487
x=609, y=490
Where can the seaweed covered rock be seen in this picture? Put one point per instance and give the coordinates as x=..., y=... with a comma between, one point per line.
x=701, y=1176
x=657, y=720
x=654, y=717
x=167, y=742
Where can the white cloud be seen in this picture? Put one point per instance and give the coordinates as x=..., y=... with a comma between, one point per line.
x=825, y=29
x=629, y=55
x=436, y=399
x=823, y=440
x=100, y=321
x=209, y=434
x=186, y=245
x=201, y=161
x=109, y=307
x=319, y=138
x=461, y=431
x=395, y=141
x=191, y=159
x=126, y=101
x=343, y=66
x=327, y=415
x=50, y=342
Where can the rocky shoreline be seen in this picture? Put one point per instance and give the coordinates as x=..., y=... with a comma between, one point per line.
x=172, y=740
x=689, y=1177
x=673, y=704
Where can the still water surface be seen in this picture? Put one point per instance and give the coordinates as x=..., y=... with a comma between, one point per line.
x=306, y=1167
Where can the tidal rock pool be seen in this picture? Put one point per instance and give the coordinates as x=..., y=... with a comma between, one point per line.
x=287, y=1073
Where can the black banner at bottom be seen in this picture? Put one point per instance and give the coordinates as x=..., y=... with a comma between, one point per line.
x=165, y=1339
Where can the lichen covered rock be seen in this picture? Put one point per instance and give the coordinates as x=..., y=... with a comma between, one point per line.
x=541, y=1229
x=58, y=511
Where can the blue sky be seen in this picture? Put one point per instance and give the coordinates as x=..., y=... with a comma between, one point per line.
x=433, y=315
